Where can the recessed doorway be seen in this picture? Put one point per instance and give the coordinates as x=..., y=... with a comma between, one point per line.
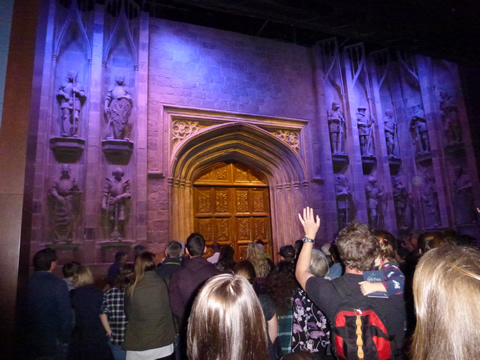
x=232, y=206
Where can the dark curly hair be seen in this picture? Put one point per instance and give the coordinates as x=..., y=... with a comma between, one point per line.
x=281, y=286
x=357, y=247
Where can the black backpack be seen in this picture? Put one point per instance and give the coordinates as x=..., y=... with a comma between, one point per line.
x=359, y=328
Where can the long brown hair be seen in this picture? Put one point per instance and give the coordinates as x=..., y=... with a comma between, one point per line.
x=227, y=322
x=144, y=262
x=446, y=288
x=258, y=260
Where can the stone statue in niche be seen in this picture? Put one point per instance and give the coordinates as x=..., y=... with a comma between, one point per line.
x=65, y=194
x=430, y=201
x=336, y=127
x=71, y=97
x=116, y=192
x=374, y=201
x=418, y=127
x=390, y=126
x=118, y=107
x=345, y=206
x=365, y=131
x=403, y=209
x=450, y=119
x=463, y=198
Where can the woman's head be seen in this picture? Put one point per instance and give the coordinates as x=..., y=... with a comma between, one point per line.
x=83, y=276
x=262, y=268
x=144, y=262
x=125, y=277
x=226, y=322
x=431, y=240
x=446, y=287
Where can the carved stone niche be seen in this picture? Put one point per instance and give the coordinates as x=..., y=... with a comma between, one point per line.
x=340, y=162
x=368, y=163
x=67, y=150
x=118, y=152
x=66, y=252
x=395, y=164
x=110, y=248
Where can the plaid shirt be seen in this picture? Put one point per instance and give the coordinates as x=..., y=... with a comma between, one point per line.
x=112, y=306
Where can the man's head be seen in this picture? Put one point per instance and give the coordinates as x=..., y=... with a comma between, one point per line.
x=358, y=247
x=69, y=269
x=121, y=257
x=45, y=260
x=287, y=252
x=216, y=247
x=195, y=244
x=138, y=250
x=174, y=249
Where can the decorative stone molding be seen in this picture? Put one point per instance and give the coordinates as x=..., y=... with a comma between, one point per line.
x=182, y=130
x=289, y=137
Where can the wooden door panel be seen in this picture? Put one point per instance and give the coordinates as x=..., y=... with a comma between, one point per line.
x=231, y=206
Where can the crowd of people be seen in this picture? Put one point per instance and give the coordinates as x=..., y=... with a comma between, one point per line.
x=365, y=296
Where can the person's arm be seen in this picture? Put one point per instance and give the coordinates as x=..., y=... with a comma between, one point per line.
x=368, y=287
x=310, y=226
x=272, y=326
x=395, y=280
x=106, y=324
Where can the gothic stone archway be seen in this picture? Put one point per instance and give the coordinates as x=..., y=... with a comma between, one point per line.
x=248, y=144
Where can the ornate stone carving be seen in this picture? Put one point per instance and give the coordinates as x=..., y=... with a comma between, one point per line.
x=65, y=194
x=391, y=128
x=418, y=128
x=242, y=200
x=450, y=119
x=221, y=201
x=374, y=202
x=365, y=131
x=116, y=192
x=71, y=98
x=463, y=198
x=403, y=207
x=345, y=205
x=290, y=137
x=430, y=202
x=117, y=109
x=336, y=128
x=182, y=129
x=204, y=201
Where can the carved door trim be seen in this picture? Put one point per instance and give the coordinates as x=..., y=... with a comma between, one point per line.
x=231, y=206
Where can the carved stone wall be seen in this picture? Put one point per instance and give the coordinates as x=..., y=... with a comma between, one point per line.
x=199, y=96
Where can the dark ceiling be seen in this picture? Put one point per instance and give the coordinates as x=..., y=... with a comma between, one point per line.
x=438, y=28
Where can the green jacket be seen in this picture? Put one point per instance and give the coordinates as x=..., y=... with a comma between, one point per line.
x=150, y=320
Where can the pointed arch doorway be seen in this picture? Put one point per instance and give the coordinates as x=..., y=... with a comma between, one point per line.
x=278, y=166
x=232, y=206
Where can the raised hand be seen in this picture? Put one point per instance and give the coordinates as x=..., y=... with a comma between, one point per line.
x=309, y=222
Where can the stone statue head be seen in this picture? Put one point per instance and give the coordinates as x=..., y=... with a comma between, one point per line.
x=340, y=179
x=372, y=179
x=362, y=108
x=389, y=112
x=117, y=172
x=65, y=169
x=120, y=79
x=72, y=75
x=335, y=105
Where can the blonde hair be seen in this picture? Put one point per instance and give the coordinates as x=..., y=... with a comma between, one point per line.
x=144, y=262
x=227, y=322
x=262, y=268
x=83, y=276
x=446, y=287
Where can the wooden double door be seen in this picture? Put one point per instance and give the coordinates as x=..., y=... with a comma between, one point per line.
x=231, y=206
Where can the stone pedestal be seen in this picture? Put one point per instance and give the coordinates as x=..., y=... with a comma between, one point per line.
x=110, y=248
x=66, y=252
x=67, y=150
x=118, y=152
